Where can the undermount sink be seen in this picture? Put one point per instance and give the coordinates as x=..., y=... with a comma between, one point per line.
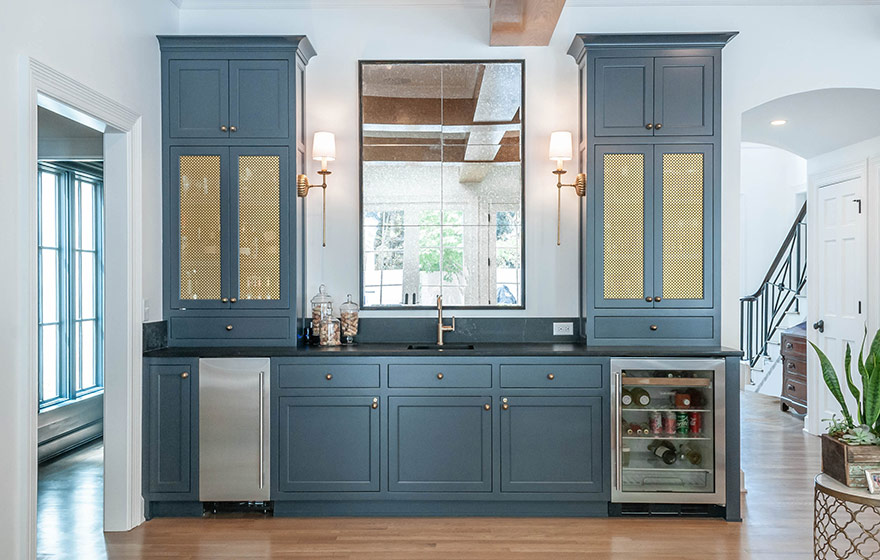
x=440, y=348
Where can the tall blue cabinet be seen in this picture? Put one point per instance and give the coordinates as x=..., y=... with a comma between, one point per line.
x=233, y=120
x=650, y=144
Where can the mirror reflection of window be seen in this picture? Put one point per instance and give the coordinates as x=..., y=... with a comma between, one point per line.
x=442, y=183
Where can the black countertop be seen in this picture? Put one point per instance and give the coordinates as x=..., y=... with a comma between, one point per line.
x=399, y=350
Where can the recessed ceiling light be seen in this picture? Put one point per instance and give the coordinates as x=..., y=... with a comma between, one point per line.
x=778, y=122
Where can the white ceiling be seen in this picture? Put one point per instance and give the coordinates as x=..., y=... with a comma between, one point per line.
x=819, y=121
x=317, y=4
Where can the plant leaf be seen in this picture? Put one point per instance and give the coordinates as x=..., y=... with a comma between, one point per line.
x=832, y=382
x=847, y=365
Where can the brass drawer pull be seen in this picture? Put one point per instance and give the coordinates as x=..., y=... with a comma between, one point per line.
x=232, y=300
x=439, y=376
x=329, y=376
x=551, y=377
x=228, y=327
x=375, y=403
x=224, y=300
x=657, y=126
x=657, y=298
x=223, y=128
x=184, y=375
x=487, y=406
x=649, y=299
x=649, y=126
x=653, y=327
x=233, y=129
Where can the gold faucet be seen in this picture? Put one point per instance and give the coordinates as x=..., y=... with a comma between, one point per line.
x=441, y=328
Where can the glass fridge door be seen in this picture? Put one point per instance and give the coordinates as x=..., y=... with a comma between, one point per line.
x=666, y=442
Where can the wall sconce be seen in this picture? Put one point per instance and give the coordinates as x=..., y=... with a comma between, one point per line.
x=323, y=149
x=560, y=150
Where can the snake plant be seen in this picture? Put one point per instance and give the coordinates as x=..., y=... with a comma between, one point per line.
x=867, y=399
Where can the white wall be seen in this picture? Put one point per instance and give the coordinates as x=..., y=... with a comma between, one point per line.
x=110, y=46
x=776, y=54
x=770, y=179
x=866, y=156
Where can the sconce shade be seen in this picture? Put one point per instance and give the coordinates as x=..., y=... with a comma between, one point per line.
x=324, y=146
x=560, y=145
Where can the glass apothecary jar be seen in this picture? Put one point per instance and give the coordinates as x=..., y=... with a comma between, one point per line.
x=348, y=314
x=329, y=332
x=322, y=307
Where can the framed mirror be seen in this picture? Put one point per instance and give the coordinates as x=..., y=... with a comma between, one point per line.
x=442, y=184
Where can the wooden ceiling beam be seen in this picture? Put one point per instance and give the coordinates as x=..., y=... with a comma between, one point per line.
x=524, y=22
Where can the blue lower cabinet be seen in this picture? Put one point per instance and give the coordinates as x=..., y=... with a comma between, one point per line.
x=552, y=444
x=170, y=392
x=439, y=444
x=328, y=444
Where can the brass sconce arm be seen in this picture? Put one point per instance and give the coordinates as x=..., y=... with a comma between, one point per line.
x=580, y=187
x=302, y=190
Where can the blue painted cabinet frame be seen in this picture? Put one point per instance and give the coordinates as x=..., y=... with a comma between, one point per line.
x=630, y=83
x=230, y=97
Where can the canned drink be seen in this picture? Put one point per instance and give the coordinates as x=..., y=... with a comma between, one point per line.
x=669, y=423
x=682, y=424
x=695, y=422
x=656, y=422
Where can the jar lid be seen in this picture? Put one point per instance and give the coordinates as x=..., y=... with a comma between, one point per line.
x=322, y=296
x=349, y=306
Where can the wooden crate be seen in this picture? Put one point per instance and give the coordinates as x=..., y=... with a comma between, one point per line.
x=847, y=463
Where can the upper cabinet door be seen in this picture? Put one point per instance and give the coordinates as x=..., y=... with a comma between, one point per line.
x=259, y=101
x=199, y=228
x=624, y=97
x=683, y=226
x=623, y=240
x=683, y=96
x=260, y=230
x=198, y=99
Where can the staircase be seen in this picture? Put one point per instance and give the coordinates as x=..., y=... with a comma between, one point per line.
x=779, y=303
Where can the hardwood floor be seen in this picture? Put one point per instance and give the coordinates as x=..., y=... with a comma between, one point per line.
x=779, y=459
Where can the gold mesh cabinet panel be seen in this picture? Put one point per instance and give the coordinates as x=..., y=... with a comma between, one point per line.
x=259, y=227
x=200, y=259
x=624, y=224
x=683, y=226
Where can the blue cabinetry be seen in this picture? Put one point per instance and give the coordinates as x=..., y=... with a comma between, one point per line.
x=232, y=140
x=650, y=145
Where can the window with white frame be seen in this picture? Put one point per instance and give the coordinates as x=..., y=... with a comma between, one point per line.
x=70, y=292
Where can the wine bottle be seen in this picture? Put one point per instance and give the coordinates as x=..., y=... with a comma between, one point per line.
x=626, y=398
x=641, y=398
x=664, y=450
x=691, y=453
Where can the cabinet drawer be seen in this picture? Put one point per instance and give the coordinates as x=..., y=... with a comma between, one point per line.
x=550, y=376
x=795, y=368
x=440, y=375
x=793, y=346
x=794, y=389
x=654, y=327
x=330, y=375
x=247, y=328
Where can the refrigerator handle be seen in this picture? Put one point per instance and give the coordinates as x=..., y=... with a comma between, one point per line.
x=615, y=429
x=261, y=430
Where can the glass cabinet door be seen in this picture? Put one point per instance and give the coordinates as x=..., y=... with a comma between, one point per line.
x=198, y=229
x=624, y=216
x=261, y=234
x=683, y=226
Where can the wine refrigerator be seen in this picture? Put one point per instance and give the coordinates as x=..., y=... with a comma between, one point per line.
x=667, y=431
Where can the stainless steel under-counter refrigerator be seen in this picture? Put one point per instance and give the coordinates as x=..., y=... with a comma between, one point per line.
x=234, y=429
x=667, y=435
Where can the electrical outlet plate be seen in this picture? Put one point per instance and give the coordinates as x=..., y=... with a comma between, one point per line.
x=563, y=329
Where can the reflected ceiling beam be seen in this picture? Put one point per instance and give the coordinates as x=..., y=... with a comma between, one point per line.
x=524, y=22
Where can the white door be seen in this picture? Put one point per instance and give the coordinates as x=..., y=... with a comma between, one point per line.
x=839, y=283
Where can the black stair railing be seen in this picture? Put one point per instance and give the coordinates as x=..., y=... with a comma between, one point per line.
x=762, y=312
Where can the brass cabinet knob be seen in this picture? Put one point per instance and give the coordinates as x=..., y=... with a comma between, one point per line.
x=375, y=403
x=649, y=299
x=223, y=128
x=329, y=376
x=551, y=377
x=649, y=126
x=657, y=126
x=653, y=327
x=656, y=298
x=439, y=376
x=233, y=129
x=184, y=375
x=504, y=399
x=232, y=300
x=487, y=406
x=505, y=406
x=225, y=300
x=228, y=327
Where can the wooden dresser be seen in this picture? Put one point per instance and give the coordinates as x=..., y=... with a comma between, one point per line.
x=794, y=369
